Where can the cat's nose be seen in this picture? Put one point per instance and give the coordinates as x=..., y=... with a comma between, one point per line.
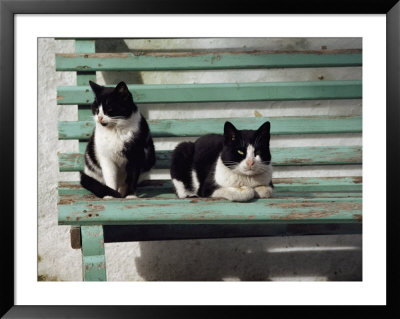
x=100, y=118
x=250, y=162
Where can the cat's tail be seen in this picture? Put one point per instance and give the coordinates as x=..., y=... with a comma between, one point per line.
x=97, y=188
x=182, y=170
x=150, y=157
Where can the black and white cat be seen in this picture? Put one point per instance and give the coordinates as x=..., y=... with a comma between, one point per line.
x=235, y=166
x=121, y=146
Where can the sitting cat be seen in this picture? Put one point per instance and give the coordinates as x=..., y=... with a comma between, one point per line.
x=121, y=146
x=235, y=166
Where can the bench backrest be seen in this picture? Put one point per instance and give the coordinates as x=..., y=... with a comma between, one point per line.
x=86, y=62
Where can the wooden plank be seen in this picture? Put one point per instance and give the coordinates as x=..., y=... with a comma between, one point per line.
x=306, y=187
x=159, y=61
x=170, y=197
x=93, y=254
x=198, y=127
x=76, y=238
x=323, y=155
x=287, y=156
x=223, y=92
x=318, y=184
x=281, y=185
x=84, y=46
x=85, y=114
x=83, y=77
x=212, y=211
x=169, y=194
x=336, y=186
x=129, y=233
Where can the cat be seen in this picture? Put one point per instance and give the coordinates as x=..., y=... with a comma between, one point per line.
x=235, y=166
x=121, y=146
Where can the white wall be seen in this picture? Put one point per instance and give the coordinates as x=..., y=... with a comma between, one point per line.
x=224, y=259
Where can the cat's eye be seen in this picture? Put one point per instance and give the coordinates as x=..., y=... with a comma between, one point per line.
x=240, y=152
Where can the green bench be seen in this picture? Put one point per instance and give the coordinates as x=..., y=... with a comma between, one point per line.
x=299, y=205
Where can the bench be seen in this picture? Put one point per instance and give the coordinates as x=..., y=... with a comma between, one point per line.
x=306, y=205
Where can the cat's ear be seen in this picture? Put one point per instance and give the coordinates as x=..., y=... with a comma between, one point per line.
x=96, y=88
x=122, y=89
x=265, y=127
x=230, y=132
x=264, y=130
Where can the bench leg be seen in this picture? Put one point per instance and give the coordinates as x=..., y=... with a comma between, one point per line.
x=75, y=233
x=93, y=256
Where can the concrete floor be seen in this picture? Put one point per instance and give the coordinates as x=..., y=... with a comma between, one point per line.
x=297, y=258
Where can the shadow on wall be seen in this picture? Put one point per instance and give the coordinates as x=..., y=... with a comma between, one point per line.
x=253, y=259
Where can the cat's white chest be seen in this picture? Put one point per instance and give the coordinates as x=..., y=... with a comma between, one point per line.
x=111, y=142
x=226, y=178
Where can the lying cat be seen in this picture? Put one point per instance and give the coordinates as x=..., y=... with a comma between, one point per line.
x=121, y=146
x=235, y=166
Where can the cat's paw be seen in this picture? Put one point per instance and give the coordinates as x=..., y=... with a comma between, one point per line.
x=235, y=194
x=131, y=197
x=108, y=197
x=243, y=194
x=123, y=190
x=263, y=191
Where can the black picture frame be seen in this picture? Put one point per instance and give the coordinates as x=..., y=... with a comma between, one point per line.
x=8, y=10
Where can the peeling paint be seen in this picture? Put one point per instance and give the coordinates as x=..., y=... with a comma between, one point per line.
x=326, y=205
x=96, y=207
x=317, y=209
x=310, y=214
x=83, y=67
x=69, y=185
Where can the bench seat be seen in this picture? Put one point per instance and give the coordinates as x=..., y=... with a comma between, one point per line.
x=296, y=200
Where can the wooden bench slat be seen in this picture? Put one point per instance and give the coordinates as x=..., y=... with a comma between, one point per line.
x=312, y=187
x=192, y=60
x=287, y=156
x=224, y=92
x=212, y=211
x=168, y=194
x=197, y=127
x=93, y=253
x=85, y=46
x=295, y=184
